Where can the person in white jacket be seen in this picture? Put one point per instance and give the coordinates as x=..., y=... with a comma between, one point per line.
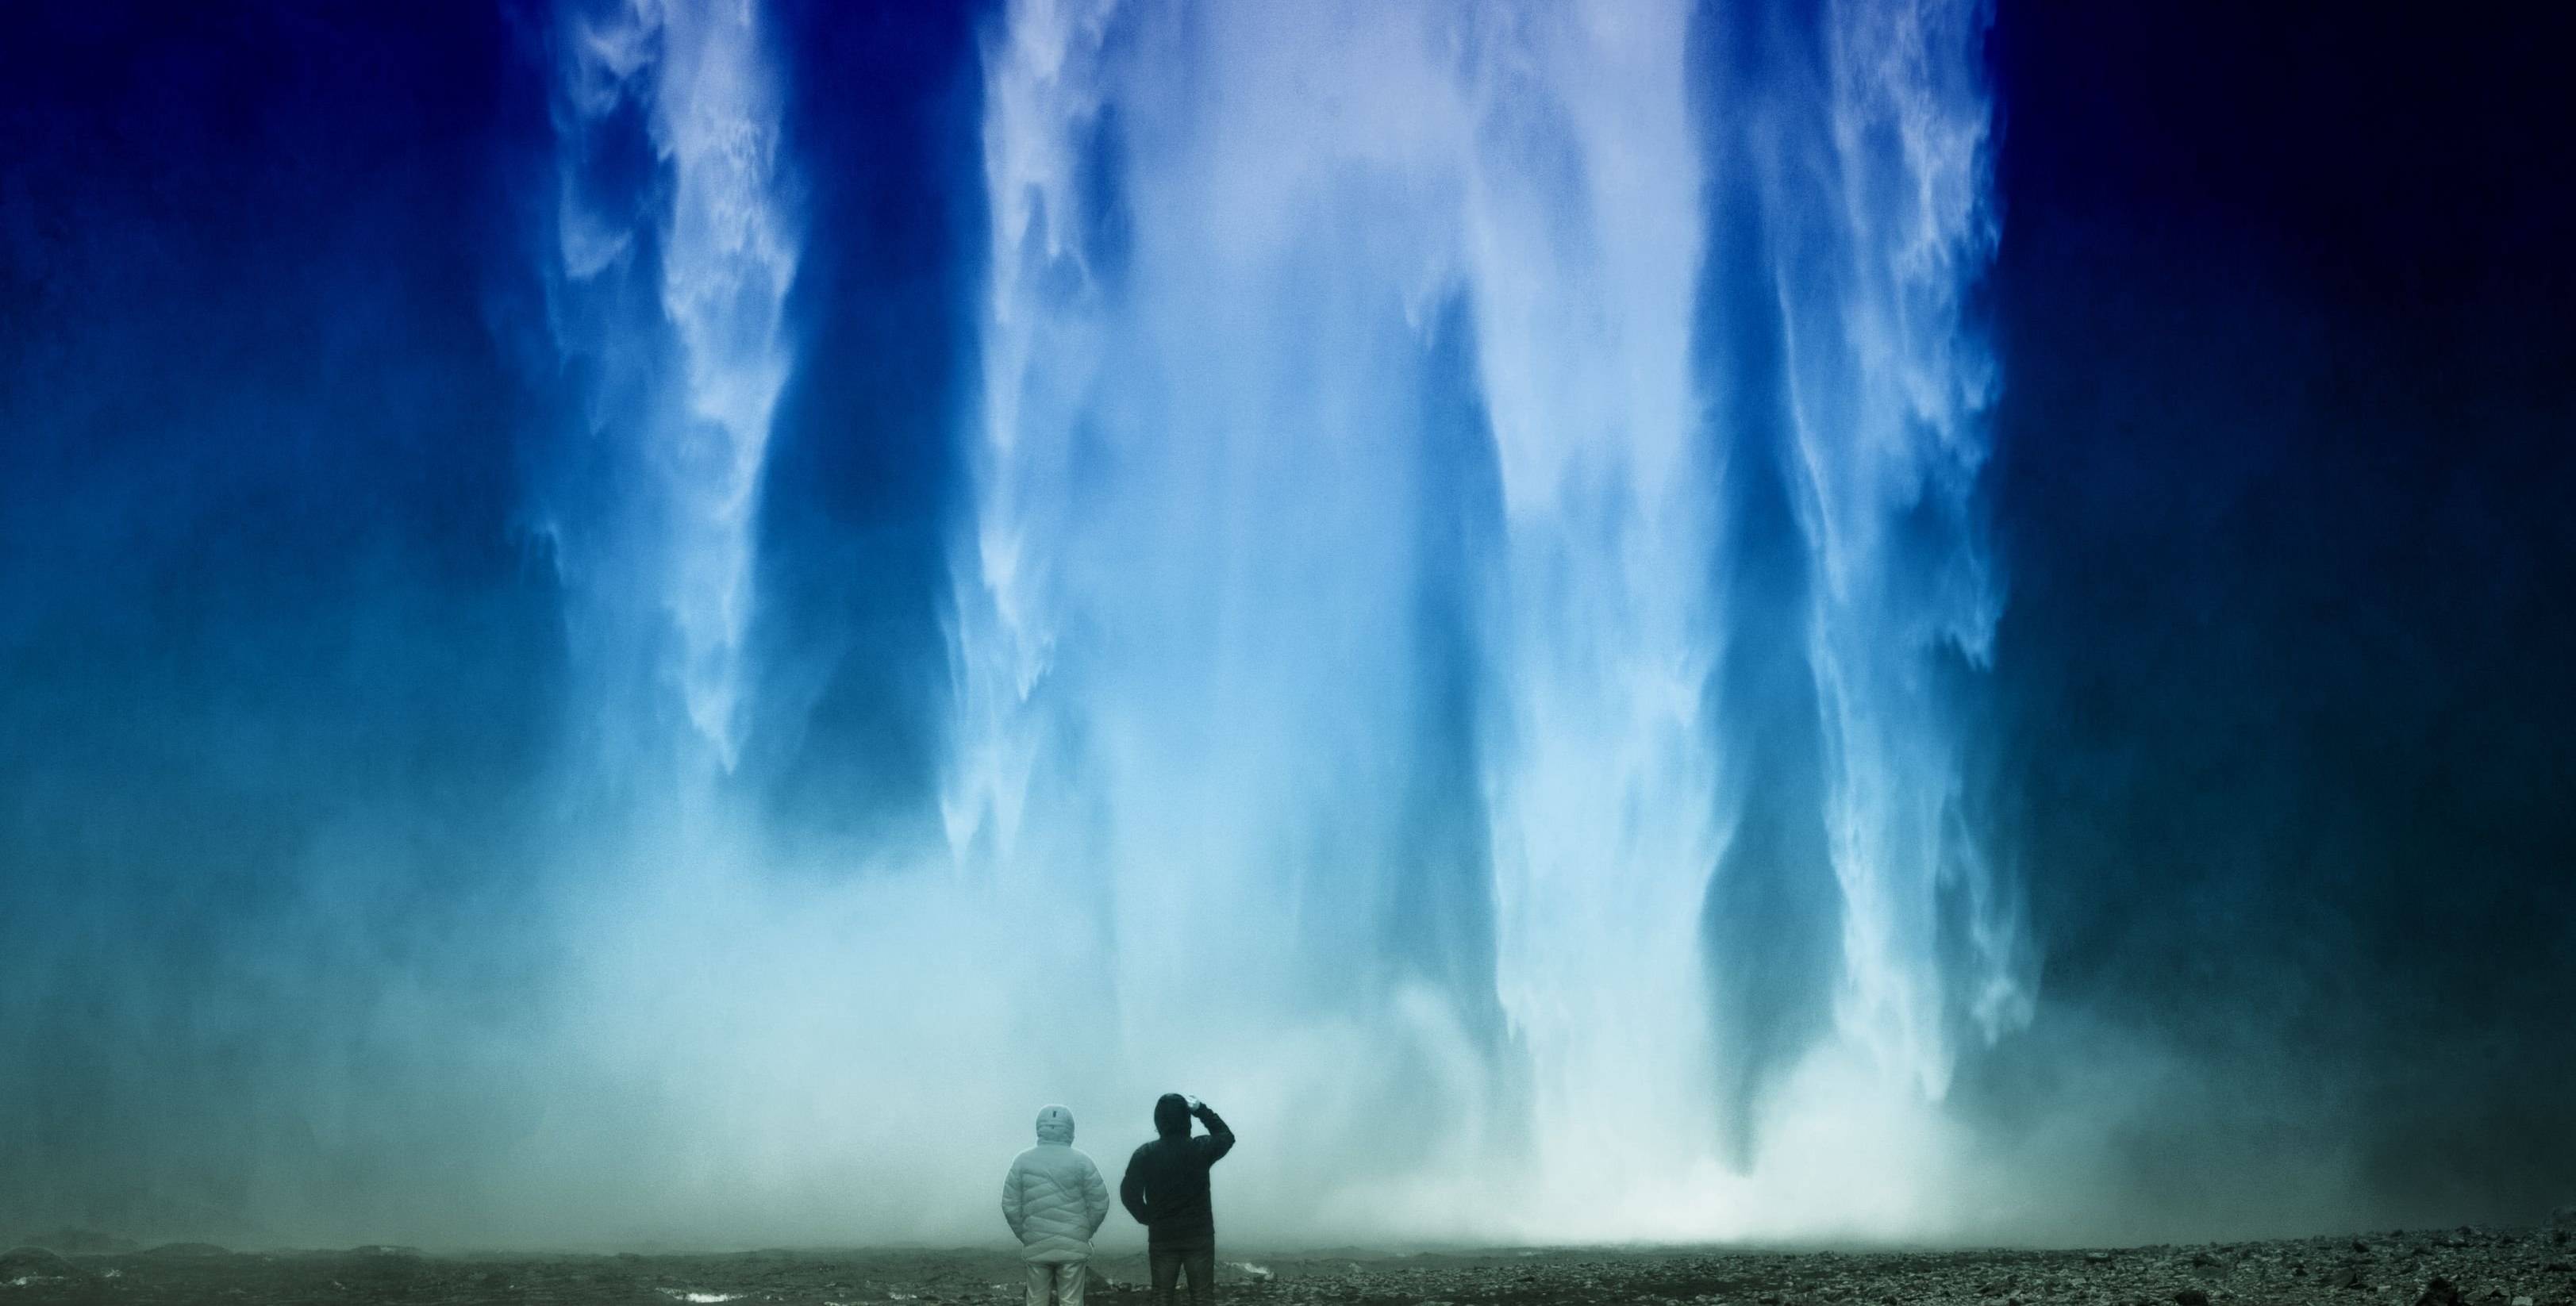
x=1055, y=1200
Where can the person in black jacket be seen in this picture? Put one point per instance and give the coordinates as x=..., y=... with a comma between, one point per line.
x=1166, y=1189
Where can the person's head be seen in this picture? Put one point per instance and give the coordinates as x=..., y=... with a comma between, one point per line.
x=1171, y=1114
x=1055, y=1125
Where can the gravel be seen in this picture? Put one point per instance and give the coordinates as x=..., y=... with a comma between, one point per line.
x=2460, y=1267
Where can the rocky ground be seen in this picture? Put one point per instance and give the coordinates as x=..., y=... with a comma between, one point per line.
x=2464, y=1267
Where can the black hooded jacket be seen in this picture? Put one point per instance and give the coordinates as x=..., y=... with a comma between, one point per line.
x=1166, y=1187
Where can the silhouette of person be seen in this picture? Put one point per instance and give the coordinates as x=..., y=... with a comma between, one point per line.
x=1055, y=1200
x=1166, y=1189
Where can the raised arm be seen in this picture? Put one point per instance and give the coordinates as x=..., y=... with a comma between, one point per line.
x=1219, y=1140
x=1131, y=1191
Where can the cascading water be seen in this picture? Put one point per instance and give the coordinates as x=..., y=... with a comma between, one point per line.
x=673, y=256
x=642, y=623
x=1457, y=625
x=1846, y=218
x=1476, y=502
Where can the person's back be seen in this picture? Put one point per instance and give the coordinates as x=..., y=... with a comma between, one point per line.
x=1054, y=1200
x=1166, y=1190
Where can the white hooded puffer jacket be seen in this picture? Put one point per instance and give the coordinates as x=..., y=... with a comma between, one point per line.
x=1054, y=1196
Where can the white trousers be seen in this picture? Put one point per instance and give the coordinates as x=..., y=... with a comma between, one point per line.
x=1064, y=1277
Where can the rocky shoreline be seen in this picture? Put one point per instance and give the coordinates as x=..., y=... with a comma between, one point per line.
x=2453, y=1267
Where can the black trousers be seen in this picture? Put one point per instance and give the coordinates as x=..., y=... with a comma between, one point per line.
x=1167, y=1260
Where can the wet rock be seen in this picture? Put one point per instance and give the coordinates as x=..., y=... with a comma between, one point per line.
x=2493, y=1268
x=2439, y=1292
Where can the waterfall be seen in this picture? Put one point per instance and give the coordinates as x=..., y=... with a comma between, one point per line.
x=1463, y=616
x=1480, y=501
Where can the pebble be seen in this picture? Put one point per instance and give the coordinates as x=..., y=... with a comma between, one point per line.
x=2491, y=1268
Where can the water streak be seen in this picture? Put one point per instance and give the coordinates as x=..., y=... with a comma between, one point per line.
x=676, y=245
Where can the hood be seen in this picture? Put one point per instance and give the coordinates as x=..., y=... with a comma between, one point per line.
x=1171, y=1114
x=1055, y=1125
